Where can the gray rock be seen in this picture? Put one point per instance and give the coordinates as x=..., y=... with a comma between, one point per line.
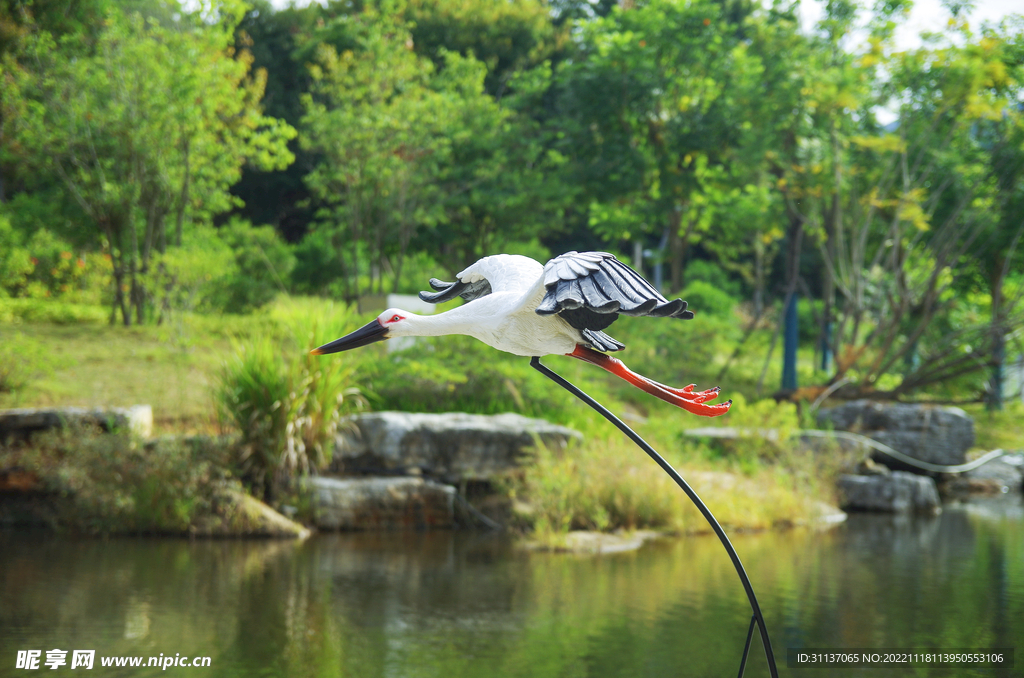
x=452, y=446
x=999, y=476
x=940, y=435
x=239, y=515
x=381, y=503
x=21, y=423
x=895, y=493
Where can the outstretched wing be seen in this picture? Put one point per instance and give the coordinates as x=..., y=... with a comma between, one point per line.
x=495, y=274
x=590, y=289
x=446, y=291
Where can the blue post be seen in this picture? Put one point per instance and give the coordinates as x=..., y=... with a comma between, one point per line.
x=826, y=347
x=792, y=338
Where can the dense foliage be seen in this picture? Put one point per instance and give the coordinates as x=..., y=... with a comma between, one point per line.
x=168, y=157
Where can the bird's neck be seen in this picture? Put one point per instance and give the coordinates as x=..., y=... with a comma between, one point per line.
x=449, y=322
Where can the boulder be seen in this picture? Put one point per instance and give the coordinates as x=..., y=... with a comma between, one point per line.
x=236, y=514
x=21, y=423
x=381, y=503
x=896, y=492
x=999, y=476
x=453, y=447
x=939, y=435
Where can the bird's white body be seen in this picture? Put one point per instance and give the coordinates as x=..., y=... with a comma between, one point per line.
x=504, y=319
x=517, y=306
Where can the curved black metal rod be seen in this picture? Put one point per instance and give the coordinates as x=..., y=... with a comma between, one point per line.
x=701, y=506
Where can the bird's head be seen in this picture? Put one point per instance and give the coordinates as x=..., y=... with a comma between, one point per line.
x=391, y=323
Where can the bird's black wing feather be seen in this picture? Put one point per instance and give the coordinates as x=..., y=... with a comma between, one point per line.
x=589, y=290
x=446, y=291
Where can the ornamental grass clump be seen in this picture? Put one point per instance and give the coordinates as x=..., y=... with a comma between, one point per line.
x=287, y=404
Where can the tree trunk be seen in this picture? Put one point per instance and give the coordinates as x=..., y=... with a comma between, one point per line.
x=828, y=287
x=183, y=197
x=758, y=276
x=677, y=243
x=998, y=336
x=791, y=336
x=791, y=340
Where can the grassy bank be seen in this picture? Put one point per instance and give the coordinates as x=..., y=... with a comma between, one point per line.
x=70, y=356
x=608, y=483
x=75, y=359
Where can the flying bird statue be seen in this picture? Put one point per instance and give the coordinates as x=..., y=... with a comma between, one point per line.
x=518, y=306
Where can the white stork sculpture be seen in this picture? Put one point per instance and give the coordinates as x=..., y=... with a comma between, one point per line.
x=518, y=306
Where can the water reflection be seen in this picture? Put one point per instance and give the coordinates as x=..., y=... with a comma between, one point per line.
x=462, y=604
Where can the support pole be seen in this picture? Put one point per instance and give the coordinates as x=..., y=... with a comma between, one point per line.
x=701, y=506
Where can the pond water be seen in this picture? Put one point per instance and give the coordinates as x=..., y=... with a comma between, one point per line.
x=457, y=604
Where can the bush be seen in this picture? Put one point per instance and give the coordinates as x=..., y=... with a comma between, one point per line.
x=767, y=429
x=194, y=275
x=700, y=270
x=611, y=485
x=51, y=311
x=20, y=362
x=263, y=264
x=704, y=298
x=111, y=483
x=286, y=403
x=461, y=374
x=15, y=261
x=44, y=266
x=317, y=265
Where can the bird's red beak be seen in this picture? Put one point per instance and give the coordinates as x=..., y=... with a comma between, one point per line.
x=365, y=335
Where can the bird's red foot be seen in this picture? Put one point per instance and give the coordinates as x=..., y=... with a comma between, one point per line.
x=685, y=398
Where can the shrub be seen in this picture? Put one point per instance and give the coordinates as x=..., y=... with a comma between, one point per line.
x=15, y=261
x=20, y=363
x=51, y=311
x=286, y=403
x=111, y=483
x=462, y=374
x=608, y=485
x=704, y=298
x=317, y=263
x=44, y=266
x=701, y=270
x=263, y=263
x=602, y=487
x=192, y=276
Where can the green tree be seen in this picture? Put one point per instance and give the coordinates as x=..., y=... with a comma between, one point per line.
x=653, y=107
x=508, y=37
x=152, y=128
x=412, y=157
x=906, y=213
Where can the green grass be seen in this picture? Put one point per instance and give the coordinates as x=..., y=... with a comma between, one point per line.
x=609, y=484
x=606, y=484
x=1003, y=429
x=172, y=367
x=102, y=365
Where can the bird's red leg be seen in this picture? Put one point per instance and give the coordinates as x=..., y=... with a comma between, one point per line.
x=684, y=397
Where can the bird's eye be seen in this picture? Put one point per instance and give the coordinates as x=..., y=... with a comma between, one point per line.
x=395, y=318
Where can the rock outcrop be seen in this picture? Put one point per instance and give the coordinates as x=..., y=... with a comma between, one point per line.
x=895, y=492
x=381, y=503
x=451, y=447
x=999, y=476
x=21, y=423
x=939, y=435
x=236, y=514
